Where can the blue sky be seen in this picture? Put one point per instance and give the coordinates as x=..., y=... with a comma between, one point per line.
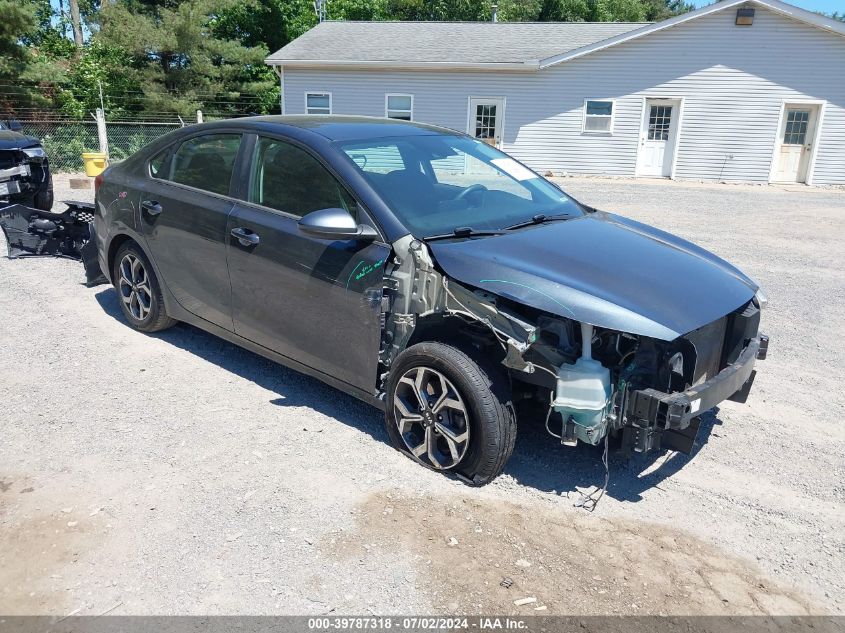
x=825, y=6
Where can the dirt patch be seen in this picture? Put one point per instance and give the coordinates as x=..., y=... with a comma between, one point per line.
x=36, y=546
x=477, y=556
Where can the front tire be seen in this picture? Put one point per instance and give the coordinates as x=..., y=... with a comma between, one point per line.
x=138, y=290
x=43, y=200
x=450, y=412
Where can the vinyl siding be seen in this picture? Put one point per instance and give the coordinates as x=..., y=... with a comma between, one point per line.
x=733, y=81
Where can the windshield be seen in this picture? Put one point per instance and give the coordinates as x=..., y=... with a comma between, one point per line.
x=438, y=183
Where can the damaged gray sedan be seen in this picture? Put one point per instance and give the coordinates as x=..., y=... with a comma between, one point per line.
x=432, y=276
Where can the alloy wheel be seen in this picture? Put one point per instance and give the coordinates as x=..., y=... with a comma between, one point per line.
x=134, y=287
x=431, y=417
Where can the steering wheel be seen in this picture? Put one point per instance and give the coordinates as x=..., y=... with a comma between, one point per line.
x=470, y=190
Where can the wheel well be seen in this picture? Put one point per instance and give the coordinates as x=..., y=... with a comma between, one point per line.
x=433, y=328
x=472, y=338
x=115, y=244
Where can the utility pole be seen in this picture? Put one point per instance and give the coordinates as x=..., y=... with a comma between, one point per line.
x=320, y=9
x=76, y=22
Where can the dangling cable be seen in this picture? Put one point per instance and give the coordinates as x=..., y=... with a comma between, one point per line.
x=590, y=501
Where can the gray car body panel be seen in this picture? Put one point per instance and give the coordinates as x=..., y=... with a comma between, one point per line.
x=605, y=270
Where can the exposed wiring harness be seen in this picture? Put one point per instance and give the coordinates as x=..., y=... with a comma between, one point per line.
x=466, y=312
x=591, y=500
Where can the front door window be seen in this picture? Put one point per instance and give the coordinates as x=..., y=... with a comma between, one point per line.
x=291, y=180
x=795, y=131
x=659, y=122
x=485, y=122
x=485, y=119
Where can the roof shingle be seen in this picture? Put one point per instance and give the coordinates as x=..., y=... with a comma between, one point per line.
x=445, y=42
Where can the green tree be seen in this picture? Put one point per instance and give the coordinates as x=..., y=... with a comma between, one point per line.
x=591, y=10
x=20, y=64
x=617, y=11
x=272, y=23
x=180, y=59
x=468, y=10
x=656, y=10
x=101, y=67
x=17, y=19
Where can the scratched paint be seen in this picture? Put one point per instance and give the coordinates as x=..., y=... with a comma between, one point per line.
x=540, y=292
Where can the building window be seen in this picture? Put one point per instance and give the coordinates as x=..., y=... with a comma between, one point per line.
x=318, y=102
x=598, y=116
x=659, y=123
x=795, y=132
x=399, y=106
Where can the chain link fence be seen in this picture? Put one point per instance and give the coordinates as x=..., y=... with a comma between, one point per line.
x=127, y=137
x=64, y=140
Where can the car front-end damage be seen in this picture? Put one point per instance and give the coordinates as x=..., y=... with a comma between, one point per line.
x=642, y=388
x=24, y=171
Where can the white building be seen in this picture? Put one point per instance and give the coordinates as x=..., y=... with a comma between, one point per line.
x=741, y=90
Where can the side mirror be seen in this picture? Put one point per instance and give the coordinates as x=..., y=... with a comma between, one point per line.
x=335, y=224
x=15, y=126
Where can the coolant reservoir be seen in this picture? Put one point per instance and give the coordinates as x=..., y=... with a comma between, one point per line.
x=582, y=394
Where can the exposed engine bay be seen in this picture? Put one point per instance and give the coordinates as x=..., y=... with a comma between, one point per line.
x=31, y=232
x=24, y=169
x=597, y=384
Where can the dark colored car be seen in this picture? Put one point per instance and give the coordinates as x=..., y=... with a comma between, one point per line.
x=433, y=276
x=24, y=169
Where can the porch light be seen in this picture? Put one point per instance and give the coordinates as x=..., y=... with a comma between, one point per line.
x=744, y=17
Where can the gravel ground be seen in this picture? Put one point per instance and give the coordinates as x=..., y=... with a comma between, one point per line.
x=178, y=474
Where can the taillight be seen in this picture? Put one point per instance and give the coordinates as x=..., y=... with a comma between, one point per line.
x=98, y=181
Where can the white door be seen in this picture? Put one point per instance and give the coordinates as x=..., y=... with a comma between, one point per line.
x=657, y=137
x=796, y=138
x=486, y=119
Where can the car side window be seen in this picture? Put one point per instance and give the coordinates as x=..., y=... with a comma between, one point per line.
x=378, y=159
x=206, y=162
x=158, y=162
x=289, y=179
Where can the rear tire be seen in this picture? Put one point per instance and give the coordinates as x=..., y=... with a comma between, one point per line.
x=138, y=290
x=462, y=421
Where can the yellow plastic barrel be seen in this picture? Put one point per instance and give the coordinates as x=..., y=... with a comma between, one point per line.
x=95, y=163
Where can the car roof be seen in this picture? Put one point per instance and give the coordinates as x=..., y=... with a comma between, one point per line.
x=335, y=127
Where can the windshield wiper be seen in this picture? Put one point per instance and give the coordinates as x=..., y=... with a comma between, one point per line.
x=540, y=218
x=462, y=231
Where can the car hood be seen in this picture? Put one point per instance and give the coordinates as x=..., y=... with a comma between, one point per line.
x=16, y=140
x=605, y=270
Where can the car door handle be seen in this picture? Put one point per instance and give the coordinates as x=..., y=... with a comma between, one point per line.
x=245, y=236
x=151, y=207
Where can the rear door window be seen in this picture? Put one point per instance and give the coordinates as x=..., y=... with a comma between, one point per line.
x=158, y=163
x=206, y=162
x=289, y=179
